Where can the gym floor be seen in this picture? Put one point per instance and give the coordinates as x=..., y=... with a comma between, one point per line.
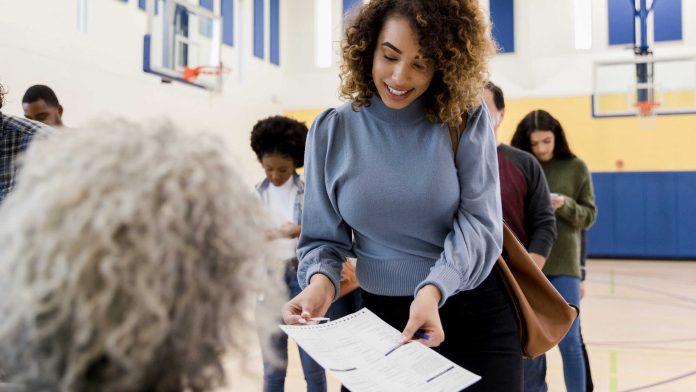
x=638, y=321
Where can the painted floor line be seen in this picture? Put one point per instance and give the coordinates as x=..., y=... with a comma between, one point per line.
x=628, y=342
x=667, y=381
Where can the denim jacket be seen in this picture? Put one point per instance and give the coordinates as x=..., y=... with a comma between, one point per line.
x=262, y=189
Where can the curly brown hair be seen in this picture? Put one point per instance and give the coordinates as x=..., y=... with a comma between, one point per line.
x=454, y=34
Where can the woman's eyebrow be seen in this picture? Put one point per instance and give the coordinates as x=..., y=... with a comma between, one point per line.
x=392, y=47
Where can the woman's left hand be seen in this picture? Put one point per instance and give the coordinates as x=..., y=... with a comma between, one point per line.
x=425, y=317
x=557, y=201
x=290, y=230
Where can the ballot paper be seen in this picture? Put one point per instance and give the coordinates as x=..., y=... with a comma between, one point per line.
x=366, y=354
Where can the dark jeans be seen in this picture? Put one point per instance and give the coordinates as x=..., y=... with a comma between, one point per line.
x=274, y=376
x=480, y=332
x=574, y=362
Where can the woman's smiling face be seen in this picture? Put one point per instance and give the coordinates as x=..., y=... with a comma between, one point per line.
x=399, y=70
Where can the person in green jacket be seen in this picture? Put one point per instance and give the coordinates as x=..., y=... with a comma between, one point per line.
x=573, y=201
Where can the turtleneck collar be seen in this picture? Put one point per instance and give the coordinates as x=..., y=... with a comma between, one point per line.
x=412, y=113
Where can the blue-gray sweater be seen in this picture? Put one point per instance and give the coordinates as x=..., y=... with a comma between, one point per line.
x=389, y=178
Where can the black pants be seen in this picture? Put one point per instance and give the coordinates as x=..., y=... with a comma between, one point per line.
x=480, y=332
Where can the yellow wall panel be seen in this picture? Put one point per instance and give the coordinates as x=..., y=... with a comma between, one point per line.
x=304, y=115
x=678, y=99
x=614, y=102
x=667, y=143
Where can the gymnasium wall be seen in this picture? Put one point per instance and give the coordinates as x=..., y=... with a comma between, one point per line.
x=98, y=73
x=644, y=172
x=644, y=179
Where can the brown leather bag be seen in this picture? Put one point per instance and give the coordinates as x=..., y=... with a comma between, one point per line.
x=543, y=316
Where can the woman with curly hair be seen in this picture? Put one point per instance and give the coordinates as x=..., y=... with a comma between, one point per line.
x=127, y=258
x=427, y=225
x=542, y=135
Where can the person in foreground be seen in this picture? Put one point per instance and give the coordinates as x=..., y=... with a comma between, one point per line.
x=427, y=223
x=127, y=255
x=572, y=199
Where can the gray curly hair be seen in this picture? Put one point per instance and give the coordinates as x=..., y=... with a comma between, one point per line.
x=127, y=258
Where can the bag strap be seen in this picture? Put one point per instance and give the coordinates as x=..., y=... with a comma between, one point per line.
x=454, y=134
x=455, y=140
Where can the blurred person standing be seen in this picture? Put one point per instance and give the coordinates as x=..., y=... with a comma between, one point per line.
x=573, y=201
x=41, y=104
x=524, y=192
x=16, y=134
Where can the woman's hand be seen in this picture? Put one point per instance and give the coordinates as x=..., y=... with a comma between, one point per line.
x=349, y=282
x=287, y=230
x=557, y=201
x=290, y=230
x=313, y=301
x=424, y=316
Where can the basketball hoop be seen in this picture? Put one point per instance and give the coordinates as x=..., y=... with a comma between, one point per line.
x=191, y=74
x=646, y=108
x=646, y=114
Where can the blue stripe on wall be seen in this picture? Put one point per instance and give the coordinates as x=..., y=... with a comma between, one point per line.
x=275, y=32
x=629, y=213
x=258, y=28
x=503, y=19
x=686, y=222
x=621, y=25
x=227, y=12
x=661, y=216
x=668, y=20
x=644, y=215
x=349, y=4
x=600, y=237
x=207, y=4
x=142, y=4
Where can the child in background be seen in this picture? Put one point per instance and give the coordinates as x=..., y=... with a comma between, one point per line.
x=279, y=144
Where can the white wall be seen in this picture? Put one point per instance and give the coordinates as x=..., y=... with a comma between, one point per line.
x=545, y=64
x=305, y=85
x=99, y=73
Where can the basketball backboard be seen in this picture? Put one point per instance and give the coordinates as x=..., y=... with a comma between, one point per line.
x=183, y=36
x=670, y=86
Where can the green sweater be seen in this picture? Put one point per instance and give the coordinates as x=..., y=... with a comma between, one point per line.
x=570, y=178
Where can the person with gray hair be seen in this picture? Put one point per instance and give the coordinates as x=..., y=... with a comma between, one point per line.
x=129, y=259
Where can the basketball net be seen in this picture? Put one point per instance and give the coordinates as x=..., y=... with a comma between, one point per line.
x=646, y=114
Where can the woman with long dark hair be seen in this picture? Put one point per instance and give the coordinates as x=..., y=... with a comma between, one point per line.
x=573, y=201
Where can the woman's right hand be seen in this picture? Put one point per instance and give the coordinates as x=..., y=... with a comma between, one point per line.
x=313, y=301
x=424, y=316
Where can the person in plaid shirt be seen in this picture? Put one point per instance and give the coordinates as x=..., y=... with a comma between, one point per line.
x=15, y=135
